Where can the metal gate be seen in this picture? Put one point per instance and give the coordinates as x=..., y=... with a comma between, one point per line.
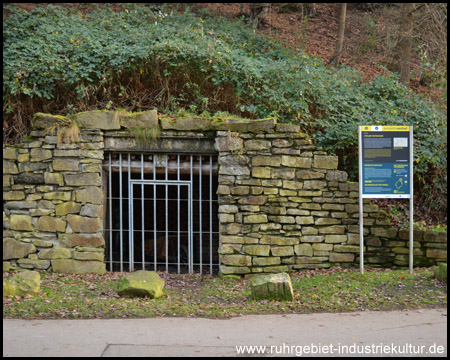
x=161, y=212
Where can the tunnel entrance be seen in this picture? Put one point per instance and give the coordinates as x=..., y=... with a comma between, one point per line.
x=161, y=212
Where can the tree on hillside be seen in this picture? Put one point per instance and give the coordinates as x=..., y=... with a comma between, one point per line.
x=405, y=42
x=340, y=40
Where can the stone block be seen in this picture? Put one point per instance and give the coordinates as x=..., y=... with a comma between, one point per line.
x=278, y=240
x=14, y=249
x=99, y=119
x=341, y=257
x=54, y=253
x=256, y=250
x=231, y=270
x=257, y=145
x=255, y=219
x=440, y=272
x=272, y=287
x=22, y=283
x=9, y=167
x=50, y=224
x=262, y=172
x=38, y=155
x=144, y=119
x=303, y=250
x=83, y=179
x=90, y=195
x=82, y=224
x=236, y=260
x=72, y=240
x=296, y=161
x=266, y=261
x=228, y=143
x=325, y=162
x=63, y=164
x=186, y=124
x=71, y=266
x=20, y=222
x=34, y=264
x=282, y=250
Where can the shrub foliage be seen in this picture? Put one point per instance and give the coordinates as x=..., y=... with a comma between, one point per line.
x=62, y=61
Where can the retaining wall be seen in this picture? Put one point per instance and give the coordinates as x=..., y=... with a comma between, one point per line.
x=283, y=203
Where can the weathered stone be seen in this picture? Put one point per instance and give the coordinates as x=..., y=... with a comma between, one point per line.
x=334, y=229
x=72, y=240
x=19, y=205
x=9, y=153
x=186, y=124
x=244, y=125
x=227, y=249
x=53, y=178
x=51, y=224
x=325, y=162
x=70, y=266
x=282, y=250
x=13, y=249
x=30, y=167
x=253, y=200
x=226, y=218
x=309, y=174
x=272, y=287
x=82, y=224
x=296, y=161
x=236, y=260
x=313, y=238
x=38, y=155
x=42, y=243
x=231, y=229
x=440, y=272
x=99, y=119
x=257, y=145
x=22, y=283
x=341, y=257
x=84, y=255
x=233, y=165
x=336, y=239
x=230, y=209
x=20, y=222
x=92, y=195
x=34, y=264
x=283, y=173
x=9, y=167
x=437, y=254
x=434, y=237
x=145, y=119
x=237, y=240
x=54, y=253
x=256, y=250
x=45, y=121
x=255, y=219
x=278, y=240
x=389, y=233
x=303, y=250
x=336, y=175
x=63, y=164
x=29, y=179
x=69, y=207
x=266, y=261
x=229, y=143
x=304, y=220
x=87, y=179
x=262, y=172
x=58, y=195
x=230, y=270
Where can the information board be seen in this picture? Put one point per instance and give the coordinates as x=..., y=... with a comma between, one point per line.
x=385, y=171
x=386, y=161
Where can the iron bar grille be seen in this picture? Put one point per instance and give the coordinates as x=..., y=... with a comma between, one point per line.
x=161, y=212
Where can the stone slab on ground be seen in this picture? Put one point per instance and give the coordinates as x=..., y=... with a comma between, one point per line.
x=272, y=287
x=141, y=283
x=22, y=283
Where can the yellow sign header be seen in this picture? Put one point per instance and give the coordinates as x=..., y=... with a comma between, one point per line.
x=384, y=128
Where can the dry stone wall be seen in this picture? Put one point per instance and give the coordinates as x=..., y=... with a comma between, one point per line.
x=283, y=203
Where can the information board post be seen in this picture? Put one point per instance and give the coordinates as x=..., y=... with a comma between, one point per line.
x=385, y=171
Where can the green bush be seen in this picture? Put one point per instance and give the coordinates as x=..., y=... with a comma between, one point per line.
x=58, y=59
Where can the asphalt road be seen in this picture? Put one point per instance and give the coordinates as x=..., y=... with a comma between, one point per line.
x=390, y=333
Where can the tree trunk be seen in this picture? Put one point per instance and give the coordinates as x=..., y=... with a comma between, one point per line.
x=340, y=39
x=258, y=11
x=405, y=42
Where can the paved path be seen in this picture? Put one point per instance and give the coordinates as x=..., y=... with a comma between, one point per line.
x=416, y=332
